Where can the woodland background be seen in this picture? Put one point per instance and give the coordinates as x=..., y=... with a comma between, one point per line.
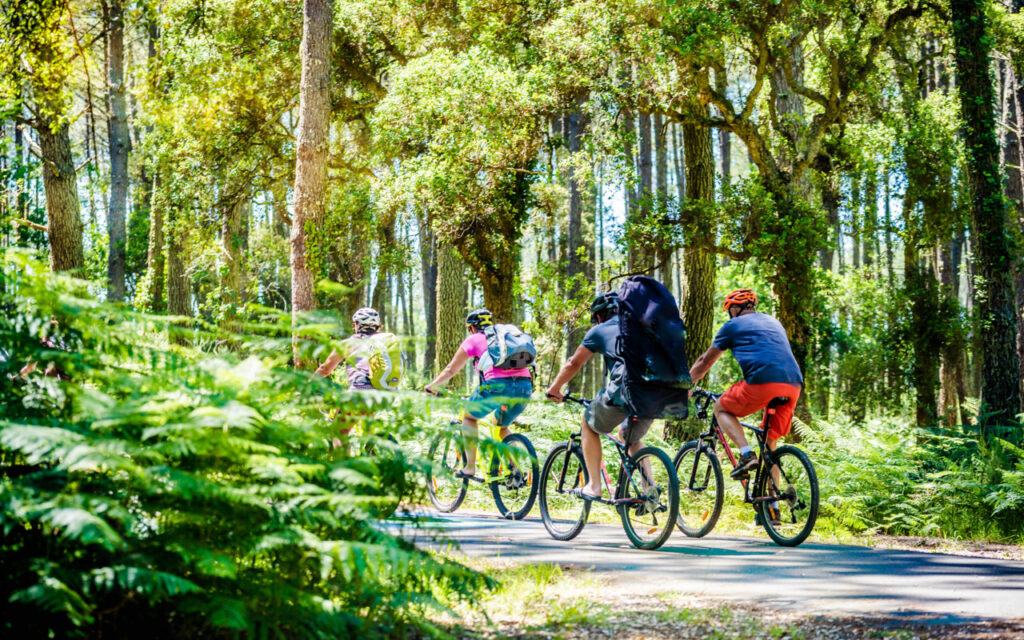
x=218, y=184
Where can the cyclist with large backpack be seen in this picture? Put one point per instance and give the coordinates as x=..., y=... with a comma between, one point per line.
x=606, y=411
x=760, y=345
x=502, y=354
x=372, y=359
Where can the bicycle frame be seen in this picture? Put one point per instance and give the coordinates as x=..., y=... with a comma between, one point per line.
x=624, y=468
x=714, y=435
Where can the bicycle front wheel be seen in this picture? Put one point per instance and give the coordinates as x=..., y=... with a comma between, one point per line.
x=446, y=456
x=788, y=497
x=564, y=515
x=649, y=493
x=514, y=477
x=701, y=489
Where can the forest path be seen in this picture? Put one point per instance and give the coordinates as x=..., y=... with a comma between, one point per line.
x=815, y=579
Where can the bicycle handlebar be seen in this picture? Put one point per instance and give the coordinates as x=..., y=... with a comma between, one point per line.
x=583, y=402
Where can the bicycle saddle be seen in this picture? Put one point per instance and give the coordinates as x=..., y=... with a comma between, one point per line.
x=777, y=401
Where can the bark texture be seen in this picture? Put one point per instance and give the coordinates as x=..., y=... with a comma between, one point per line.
x=155, y=255
x=311, y=150
x=451, y=309
x=117, y=135
x=996, y=344
x=63, y=219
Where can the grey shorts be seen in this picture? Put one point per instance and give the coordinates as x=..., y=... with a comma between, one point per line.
x=602, y=417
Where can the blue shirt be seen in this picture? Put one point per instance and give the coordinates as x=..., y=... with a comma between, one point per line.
x=759, y=343
x=602, y=338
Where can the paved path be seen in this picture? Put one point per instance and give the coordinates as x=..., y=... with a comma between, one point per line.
x=812, y=578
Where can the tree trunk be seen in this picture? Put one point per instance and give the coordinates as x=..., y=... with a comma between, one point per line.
x=154, y=294
x=451, y=309
x=830, y=200
x=428, y=280
x=63, y=221
x=665, y=249
x=855, y=229
x=179, y=297
x=870, y=218
x=117, y=132
x=921, y=291
x=232, y=254
x=1013, y=155
x=574, y=237
x=1000, y=388
x=311, y=151
x=724, y=137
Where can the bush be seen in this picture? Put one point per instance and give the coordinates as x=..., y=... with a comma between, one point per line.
x=187, y=494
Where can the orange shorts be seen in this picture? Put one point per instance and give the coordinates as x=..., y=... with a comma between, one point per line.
x=743, y=399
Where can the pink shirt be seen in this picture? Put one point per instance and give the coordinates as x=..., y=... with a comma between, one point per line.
x=476, y=345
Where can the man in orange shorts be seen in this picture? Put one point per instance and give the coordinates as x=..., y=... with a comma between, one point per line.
x=760, y=345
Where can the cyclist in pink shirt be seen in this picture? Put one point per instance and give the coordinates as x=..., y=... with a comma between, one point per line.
x=504, y=392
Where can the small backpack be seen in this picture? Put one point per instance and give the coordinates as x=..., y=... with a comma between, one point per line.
x=507, y=348
x=387, y=362
x=652, y=345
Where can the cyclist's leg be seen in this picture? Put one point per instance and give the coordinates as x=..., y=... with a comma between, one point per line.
x=470, y=428
x=601, y=417
x=633, y=431
x=780, y=422
x=516, y=395
x=740, y=400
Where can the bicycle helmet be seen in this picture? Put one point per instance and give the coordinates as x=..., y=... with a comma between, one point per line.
x=366, y=320
x=742, y=297
x=606, y=304
x=480, y=318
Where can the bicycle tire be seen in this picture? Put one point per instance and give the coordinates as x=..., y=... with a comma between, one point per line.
x=633, y=522
x=446, y=455
x=503, y=484
x=697, y=467
x=796, y=473
x=552, y=502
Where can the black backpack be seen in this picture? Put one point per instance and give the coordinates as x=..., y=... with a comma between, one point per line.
x=652, y=345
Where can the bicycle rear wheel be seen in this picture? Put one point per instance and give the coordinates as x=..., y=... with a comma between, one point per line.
x=564, y=516
x=795, y=492
x=446, y=456
x=514, y=483
x=701, y=489
x=650, y=488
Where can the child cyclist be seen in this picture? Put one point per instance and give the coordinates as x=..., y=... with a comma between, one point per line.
x=505, y=392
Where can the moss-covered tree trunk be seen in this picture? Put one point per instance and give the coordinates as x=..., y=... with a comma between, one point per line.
x=996, y=342
x=451, y=309
x=117, y=136
x=63, y=219
x=311, y=150
x=155, y=278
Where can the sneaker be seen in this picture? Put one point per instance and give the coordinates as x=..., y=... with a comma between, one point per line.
x=746, y=462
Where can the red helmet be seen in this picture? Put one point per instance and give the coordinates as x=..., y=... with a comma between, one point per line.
x=740, y=297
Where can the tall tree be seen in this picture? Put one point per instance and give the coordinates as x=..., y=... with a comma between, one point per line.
x=451, y=308
x=996, y=342
x=311, y=148
x=117, y=137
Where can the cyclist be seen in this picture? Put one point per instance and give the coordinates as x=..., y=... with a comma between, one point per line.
x=606, y=411
x=760, y=345
x=355, y=354
x=504, y=392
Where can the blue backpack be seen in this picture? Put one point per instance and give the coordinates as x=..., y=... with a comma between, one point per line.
x=507, y=348
x=652, y=345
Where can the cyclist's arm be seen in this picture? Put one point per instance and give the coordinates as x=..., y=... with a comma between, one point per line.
x=569, y=370
x=704, y=363
x=459, y=360
x=330, y=364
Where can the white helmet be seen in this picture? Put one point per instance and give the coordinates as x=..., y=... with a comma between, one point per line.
x=366, y=318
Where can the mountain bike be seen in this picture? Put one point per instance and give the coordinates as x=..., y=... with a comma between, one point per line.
x=783, y=490
x=646, y=491
x=511, y=470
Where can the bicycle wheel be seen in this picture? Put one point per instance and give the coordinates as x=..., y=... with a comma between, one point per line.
x=650, y=491
x=564, y=516
x=796, y=491
x=514, y=483
x=446, y=456
x=701, y=489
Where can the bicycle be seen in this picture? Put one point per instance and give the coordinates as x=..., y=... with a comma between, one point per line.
x=785, y=476
x=514, y=489
x=639, y=498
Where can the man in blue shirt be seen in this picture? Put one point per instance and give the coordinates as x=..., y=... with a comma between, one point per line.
x=760, y=345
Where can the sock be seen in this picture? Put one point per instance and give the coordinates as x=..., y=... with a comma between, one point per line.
x=745, y=450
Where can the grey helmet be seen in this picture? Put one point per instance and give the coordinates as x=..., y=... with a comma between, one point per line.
x=605, y=304
x=366, y=320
